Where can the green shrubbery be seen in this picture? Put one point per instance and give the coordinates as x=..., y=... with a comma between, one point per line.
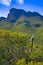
x=15, y=49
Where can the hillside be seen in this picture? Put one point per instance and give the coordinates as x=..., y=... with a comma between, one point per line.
x=19, y=20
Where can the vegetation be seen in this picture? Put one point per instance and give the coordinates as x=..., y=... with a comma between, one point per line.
x=15, y=49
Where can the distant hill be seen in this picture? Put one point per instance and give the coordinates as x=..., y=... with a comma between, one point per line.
x=2, y=18
x=21, y=21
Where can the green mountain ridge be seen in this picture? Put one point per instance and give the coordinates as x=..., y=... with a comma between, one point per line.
x=19, y=20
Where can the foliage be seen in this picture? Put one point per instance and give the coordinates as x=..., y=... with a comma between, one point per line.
x=15, y=49
x=21, y=62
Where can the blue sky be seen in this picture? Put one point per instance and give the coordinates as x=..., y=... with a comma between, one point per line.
x=28, y=5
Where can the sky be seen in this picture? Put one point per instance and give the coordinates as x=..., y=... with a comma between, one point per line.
x=28, y=5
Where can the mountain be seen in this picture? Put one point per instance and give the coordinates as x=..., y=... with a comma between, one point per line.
x=2, y=18
x=19, y=20
x=14, y=14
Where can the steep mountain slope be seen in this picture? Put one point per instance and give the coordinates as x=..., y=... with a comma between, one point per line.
x=19, y=20
x=39, y=35
x=14, y=14
x=27, y=24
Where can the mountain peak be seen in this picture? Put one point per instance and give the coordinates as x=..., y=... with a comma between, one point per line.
x=14, y=14
x=2, y=18
x=36, y=14
x=13, y=9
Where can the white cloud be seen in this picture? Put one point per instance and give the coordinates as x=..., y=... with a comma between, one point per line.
x=5, y=2
x=20, y=1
